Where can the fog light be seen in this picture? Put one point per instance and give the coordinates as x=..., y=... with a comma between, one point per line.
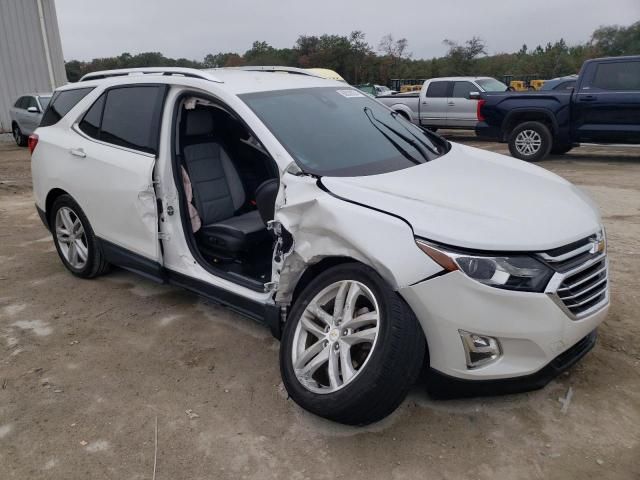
x=479, y=349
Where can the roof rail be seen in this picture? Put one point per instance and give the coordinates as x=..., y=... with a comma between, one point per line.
x=258, y=68
x=183, y=72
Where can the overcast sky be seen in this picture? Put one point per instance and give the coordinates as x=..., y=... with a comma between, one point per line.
x=193, y=28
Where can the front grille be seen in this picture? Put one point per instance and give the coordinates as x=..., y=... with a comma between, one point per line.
x=582, y=276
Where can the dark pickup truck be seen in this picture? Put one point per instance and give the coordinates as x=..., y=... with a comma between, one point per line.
x=604, y=107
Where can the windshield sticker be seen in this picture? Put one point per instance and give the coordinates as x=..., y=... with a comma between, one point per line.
x=350, y=93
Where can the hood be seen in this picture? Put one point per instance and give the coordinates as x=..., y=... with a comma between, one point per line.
x=477, y=199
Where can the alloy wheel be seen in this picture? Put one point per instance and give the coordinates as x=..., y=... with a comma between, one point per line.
x=336, y=336
x=528, y=142
x=72, y=238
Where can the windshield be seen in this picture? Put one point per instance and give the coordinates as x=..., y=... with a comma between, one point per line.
x=342, y=132
x=492, y=85
x=44, y=102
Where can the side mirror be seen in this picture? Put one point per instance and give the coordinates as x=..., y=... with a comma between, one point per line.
x=474, y=96
x=33, y=110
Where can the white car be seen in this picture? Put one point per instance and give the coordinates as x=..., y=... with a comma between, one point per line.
x=372, y=248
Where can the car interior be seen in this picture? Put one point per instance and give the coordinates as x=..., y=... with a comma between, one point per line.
x=229, y=185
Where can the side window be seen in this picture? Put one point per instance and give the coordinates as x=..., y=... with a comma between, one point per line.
x=61, y=103
x=130, y=117
x=90, y=123
x=437, y=89
x=19, y=103
x=462, y=89
x=617, y=76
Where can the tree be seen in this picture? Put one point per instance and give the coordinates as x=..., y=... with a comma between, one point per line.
x=461, y=57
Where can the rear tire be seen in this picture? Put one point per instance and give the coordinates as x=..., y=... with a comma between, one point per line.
x=380, y=370
x=19, y=138
x=75, y=241
x=530, y=141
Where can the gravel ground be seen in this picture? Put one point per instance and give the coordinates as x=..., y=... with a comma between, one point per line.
x=88, y=367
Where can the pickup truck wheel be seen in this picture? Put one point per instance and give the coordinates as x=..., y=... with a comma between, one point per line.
x=530, y=141
x=351, y=348
x=75, y=241
x=20, y=139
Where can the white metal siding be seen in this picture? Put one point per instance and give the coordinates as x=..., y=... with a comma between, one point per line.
x=23, y=63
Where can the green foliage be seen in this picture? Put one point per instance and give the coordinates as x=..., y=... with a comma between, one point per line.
x=353, y=58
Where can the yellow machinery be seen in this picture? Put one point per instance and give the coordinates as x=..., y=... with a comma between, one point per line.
x=410, y=88
x=522, y=86
x=326, y=73
x=536, y=84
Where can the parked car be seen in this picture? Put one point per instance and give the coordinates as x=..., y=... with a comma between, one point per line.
x=311, y=207
x=444, y=102
x=560, y=83
x=375, y=90
x=604, y=107
x=26, y=114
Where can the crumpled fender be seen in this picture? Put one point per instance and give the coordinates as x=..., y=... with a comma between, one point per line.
x=312, y=224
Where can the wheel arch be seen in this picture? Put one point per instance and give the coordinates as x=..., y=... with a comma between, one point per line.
x=52, y=196
x=518, y=116
x=316, y=269
x=402, y=109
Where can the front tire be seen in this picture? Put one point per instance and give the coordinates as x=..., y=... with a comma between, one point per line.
x=19, y=138
x=530, y=141
x=75, y=241
x=351, y=348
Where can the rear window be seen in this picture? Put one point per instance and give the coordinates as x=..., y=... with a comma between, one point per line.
x=617, y=76
x=437, y=89
x=61, y=103
x=127, y=116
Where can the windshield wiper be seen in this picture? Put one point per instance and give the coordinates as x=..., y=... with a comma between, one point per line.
x=404, y=153
x=413, y=143
x=427, y=146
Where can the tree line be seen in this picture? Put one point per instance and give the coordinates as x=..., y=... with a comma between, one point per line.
x=360, y=62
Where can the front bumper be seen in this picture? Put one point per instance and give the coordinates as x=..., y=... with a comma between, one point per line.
x=533, y=330
x=443, y=386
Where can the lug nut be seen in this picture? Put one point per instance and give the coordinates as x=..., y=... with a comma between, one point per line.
x=336, y=346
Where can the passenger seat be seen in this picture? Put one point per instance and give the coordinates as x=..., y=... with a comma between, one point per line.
x=218, y=192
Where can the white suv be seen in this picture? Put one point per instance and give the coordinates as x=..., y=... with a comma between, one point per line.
x=372, y=248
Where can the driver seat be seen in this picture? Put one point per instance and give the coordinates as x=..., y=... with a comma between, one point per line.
x=218, y=192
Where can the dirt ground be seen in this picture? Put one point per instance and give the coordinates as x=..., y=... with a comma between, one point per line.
x=87, y=367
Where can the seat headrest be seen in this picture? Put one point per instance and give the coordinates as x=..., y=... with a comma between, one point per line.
x=199, y=122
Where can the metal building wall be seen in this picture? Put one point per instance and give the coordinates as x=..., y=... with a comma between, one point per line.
x=23, y=62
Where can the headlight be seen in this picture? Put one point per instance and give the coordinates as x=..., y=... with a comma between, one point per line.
x=512, y=272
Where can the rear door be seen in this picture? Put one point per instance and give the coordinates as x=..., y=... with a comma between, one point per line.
x=114, y=149
x=462, y=112
x=30, y=120
x=606, y=107
x=433, y=109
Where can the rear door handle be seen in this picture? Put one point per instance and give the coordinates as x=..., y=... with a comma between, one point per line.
x=588, y=98
x=78, y=152
x=451, y=103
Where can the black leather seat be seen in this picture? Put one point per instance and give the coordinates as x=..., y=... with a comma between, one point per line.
x=218, y=192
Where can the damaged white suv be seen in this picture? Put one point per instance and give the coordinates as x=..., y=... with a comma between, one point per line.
x=372, y=248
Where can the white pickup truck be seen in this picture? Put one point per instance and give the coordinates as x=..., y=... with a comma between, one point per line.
x=444, y=102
